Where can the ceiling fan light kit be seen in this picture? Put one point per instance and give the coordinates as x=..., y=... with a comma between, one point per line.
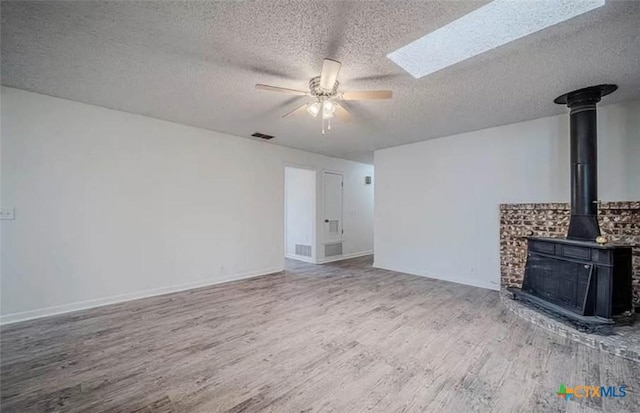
x=328, y=109
x=323, y=95
x=324, y=90
x=313, y=109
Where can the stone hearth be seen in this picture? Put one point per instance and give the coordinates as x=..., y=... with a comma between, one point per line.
x=624, y=340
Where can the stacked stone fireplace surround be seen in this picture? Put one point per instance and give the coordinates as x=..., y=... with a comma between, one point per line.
x=619, y=222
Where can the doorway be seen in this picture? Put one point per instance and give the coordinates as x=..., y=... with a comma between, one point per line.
x=300, y=213
x=333, y=231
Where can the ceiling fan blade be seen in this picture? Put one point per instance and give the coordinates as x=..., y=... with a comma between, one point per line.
x=342, y=113
x=299, y=108
x=367, y=95
x=387, y=76
x=281, y=90
x=329, y=74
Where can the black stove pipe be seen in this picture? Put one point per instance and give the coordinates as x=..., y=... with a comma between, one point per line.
x=583, y=225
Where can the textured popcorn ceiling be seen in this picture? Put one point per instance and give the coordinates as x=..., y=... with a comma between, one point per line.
x=196, y=63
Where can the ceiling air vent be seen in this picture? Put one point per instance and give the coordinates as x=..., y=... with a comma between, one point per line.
x=262, y=136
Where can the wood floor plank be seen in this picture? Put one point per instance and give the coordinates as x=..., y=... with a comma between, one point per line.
x=339, y=337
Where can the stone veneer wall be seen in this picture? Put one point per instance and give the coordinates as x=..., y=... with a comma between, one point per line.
x=619, y=222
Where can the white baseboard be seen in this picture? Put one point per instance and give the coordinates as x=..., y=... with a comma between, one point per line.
x=99, y=302
x=300, y=258
x=344, y=257
x=471, y=283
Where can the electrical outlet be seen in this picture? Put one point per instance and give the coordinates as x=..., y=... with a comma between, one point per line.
x=7, y=213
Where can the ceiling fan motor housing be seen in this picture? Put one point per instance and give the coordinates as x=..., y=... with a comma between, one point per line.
x=316, y=90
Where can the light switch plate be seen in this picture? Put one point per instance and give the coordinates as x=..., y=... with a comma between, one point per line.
x=7, y=213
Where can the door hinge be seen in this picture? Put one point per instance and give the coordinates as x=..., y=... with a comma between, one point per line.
x=343, y=231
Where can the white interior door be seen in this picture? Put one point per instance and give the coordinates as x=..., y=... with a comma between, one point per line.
x=332, y=207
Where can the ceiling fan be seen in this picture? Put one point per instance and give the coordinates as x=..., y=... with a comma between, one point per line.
x=326, y=98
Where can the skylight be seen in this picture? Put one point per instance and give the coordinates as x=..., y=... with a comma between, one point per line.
x=490, y=26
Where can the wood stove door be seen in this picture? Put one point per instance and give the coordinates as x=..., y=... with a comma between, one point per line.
x=560, y=281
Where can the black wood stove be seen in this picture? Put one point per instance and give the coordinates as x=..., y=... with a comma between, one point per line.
x=577, y=278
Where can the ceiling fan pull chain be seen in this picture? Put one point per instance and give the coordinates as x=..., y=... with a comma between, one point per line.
x=323, y=126
x=329, y=124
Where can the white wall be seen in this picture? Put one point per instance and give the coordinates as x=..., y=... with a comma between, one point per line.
x=112, y=206
x=436, y=202
x=355, y=199
x=300, y=210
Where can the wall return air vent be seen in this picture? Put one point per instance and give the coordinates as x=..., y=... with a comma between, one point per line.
x=303, y=250
x=332, y=250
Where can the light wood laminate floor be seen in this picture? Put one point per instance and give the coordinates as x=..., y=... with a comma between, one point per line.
x=341, y=337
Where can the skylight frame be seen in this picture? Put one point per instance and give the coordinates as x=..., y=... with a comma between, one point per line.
x=486, y=28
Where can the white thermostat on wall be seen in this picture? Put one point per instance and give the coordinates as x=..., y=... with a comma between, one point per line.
x=367, y=180
x=7, y=213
